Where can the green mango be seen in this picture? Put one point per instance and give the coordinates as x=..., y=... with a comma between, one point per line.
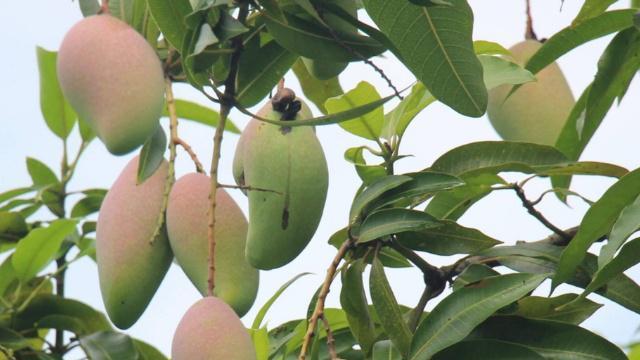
x=236, y=282
x=290, y=163
x=537, y=111
x=130, y=265
x=113, y=79
x=210, y=330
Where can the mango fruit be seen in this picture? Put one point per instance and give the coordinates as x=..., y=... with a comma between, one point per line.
x=236, y=282
x=288, y=162
x=324, y=70
x=210, y=330
x=130, y=265
x=538, y=110
x=113, y=79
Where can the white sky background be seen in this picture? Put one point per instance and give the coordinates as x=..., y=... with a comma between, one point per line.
x=25, y=24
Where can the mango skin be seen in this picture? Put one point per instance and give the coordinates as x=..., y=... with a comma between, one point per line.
x=130, y=267
x=289, y=161
x=236, y=282
x=210, y=330
x=537, y=111
x=113, y=79
x=323, y=70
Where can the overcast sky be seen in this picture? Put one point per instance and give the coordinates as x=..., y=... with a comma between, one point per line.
x=26, y=24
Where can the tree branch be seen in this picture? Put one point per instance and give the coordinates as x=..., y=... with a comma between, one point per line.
x=535, y=213
x=192, y=154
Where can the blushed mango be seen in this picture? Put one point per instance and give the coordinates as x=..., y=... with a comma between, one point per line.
x=537, y=111
x=210, y=330
x=130, y=265
x=113, y=79
x=236, y=282
x=288, y=162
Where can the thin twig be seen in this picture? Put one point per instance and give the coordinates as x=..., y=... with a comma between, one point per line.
x=225, y=108
x=535, y=213
x=417, y=312
x=331, y=341
x=529, y=34
x=318, y=311
x=247, y=188
x=192, y=154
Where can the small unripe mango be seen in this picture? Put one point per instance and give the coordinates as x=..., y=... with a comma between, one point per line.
x=130, y=265
x=210, y=330
x=236, y=282
x=113, y=79
x=289, y=163
x=537, y=111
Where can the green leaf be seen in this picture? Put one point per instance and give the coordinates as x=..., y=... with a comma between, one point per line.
x=13, y=227
x=257, y=322
x=12, y=340
x=487, y=350
x=498, y=71
x=169, y=16
x=574, y=36
x=272, y=7
x=423, y=184
x=498, y=156
x=367, y=173
x=354, y=302
x=10, y=194
x=398, y=119
x=260, y=70
x=587, y=168
x=449, y=238
x=333, y=118
x=387, y=308
x=369, y=125
x=86, y=206
x=312, y=40
x=628, y=257
x=40, y=173
x=39, y=247
x=89, y=7
x=151, y=155
x=260, y=338
x=56, y=111
x=229, y=27
x=627, y=223
x=316, y=90
x=384, y=350
x=435, y=44
x=459, y=313
x=109, y=345
x=148, y=352
x=51, y=311
x=7, y=275
x=590, y=9
x=188, y=110
x=597, y=222
x=473, y=273
x=393, y=221
x=551, y=339
x=373, y=191
x=482, y=47
x=454, y=203
x=86, y=132
x=393, y=259
x=543, y=308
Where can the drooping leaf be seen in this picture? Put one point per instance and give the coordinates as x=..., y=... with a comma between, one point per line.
x=574, y=36
x=435, y=44
x=260, y=69
x=318, y=91
x=354, y=302
x=169, y=15
x=498, y=156
x=56, y=111
x=368, y=126
x=151, y=155
x=10, y=194
x=487, y=350
x=449, y=238
x=257, y=322
x=312, y=40
x=188, y=110
x=387, y=222
x=387, y=308
x=627, y=223
x=109, y=345
x=39, y=247
x=551, y=339
x=543, y=308
x=628, y=257
x=499, y=71
x=597, y=222
x=458, y=314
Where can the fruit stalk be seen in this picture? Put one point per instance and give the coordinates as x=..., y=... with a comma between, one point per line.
x=226, y=104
